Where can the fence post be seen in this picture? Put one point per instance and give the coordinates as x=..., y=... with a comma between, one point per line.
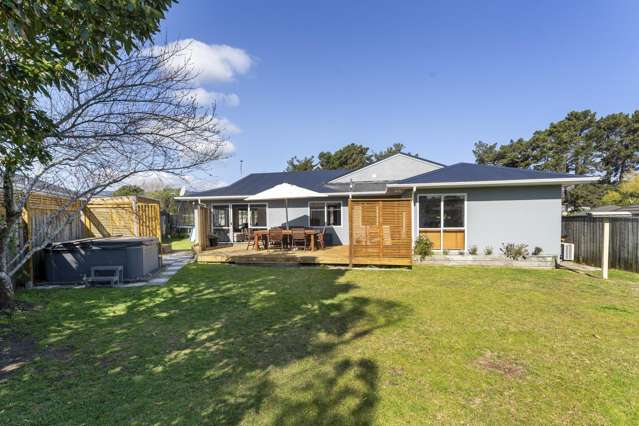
x=606, y=245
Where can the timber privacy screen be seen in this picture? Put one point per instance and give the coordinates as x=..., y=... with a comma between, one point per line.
x=380, y=231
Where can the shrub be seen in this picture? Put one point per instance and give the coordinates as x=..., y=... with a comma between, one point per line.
x=423, y=247
x=472, y=250
x=461, y=253
x=537, y=251
x=445, y=252
x=488, y=250
x=514, y=251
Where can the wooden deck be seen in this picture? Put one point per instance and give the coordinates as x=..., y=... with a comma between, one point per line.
x=333, y=255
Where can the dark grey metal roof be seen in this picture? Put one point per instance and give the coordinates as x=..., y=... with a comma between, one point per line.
x=468, y=172
x=257, y=182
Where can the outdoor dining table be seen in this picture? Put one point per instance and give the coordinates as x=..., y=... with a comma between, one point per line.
x=257, y=234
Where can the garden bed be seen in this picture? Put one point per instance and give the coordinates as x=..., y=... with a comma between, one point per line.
x=541, y=261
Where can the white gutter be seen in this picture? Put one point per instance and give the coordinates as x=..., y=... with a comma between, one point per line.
x=514, y=182
x=242, y=197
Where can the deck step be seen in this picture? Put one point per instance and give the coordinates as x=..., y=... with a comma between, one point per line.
x=265, y=260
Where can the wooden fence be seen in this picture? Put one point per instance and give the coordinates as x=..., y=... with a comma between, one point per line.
x=132, y=216
x=586, y=233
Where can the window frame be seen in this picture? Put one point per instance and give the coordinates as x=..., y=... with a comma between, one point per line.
x=441, y=228
x=325, y=202
x=248, y=214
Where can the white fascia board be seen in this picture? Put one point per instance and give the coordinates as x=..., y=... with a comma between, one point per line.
x=513, y=182
x=211, y=197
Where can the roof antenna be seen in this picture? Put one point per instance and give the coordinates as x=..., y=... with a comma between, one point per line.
x=241, y=168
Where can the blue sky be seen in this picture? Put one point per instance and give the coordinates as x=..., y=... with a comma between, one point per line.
x=301, y=77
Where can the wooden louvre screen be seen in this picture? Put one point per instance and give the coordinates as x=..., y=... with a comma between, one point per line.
x=380, y=231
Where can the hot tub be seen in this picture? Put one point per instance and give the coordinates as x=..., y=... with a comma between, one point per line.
x=71, y=261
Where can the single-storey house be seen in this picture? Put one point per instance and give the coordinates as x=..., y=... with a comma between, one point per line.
x=456, y=206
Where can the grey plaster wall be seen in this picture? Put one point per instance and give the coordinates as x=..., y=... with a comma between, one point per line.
x=529, y=215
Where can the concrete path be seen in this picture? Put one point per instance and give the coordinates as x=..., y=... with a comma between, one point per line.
x=580, y=268
x=171, y=263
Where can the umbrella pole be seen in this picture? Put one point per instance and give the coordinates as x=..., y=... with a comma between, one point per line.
x=286, y=208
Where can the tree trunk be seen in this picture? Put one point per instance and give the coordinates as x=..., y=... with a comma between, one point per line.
x=11, y=216
x=6, y=292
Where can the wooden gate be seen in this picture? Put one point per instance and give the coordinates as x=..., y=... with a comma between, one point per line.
x=380, y=231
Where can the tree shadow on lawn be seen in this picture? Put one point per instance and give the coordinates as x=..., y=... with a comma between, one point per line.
x=217, y=345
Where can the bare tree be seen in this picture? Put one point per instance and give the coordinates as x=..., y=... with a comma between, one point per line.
x=138, y=117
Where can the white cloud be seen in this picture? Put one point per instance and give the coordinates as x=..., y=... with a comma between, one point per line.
x=206, y=98
x=227, y=126
x=215, y=63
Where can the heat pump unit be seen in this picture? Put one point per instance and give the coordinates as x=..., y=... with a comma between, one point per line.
x=567, y=251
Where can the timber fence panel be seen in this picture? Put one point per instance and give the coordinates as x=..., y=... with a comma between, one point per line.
x=586, y=233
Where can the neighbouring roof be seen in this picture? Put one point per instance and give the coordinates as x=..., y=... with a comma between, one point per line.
x=467, y=173
x=631, y=209
x=606, y=208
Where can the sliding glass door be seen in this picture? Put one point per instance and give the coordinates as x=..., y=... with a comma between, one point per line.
x=246, y=217
x=220, y=222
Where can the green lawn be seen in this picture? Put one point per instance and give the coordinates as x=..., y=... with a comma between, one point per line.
x=246, y=345
x=181, y=244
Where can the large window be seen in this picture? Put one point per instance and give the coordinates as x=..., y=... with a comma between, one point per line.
x=442, y=219
x=248, y=216
x=325, y=213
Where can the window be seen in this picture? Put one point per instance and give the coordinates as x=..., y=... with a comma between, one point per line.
x=442, y=219
x=453, y=211
x=430, y=210
x=220, y=216
x=325, y=213
x=317, y=216
x=249, y=216
x=334, y=214
x=258, y=215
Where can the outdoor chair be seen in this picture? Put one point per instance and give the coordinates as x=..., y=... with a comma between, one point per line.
x=321, y=238
x=251, y=241
x=276, y=238
x=243, y=235
x=298, y=238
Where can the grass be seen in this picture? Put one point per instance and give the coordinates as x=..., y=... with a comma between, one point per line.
x=247, y=345
x=181, y=244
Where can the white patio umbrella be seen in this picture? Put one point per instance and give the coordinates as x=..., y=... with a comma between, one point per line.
x=284, y=191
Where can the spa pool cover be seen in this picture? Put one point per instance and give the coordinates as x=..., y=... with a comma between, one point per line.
x=71, y=261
